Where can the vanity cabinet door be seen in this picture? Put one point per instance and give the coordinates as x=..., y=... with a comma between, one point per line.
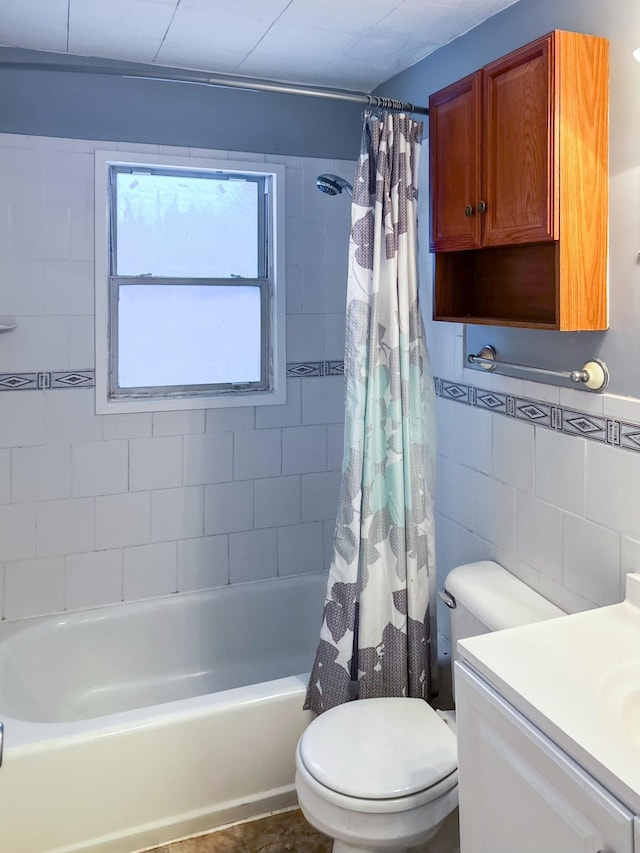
x=519, y=791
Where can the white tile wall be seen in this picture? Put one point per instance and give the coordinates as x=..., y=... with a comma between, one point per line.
x=228, y=507
x=18, y=531
x=539, y=534
x=257, y=454
x=305, y=337
x=335, y=446
x=300, y=548
x=28, y=298
x=324, y=289
x=123, y=520
x=294, y=288
x=495, y=510
x=203, y=563
x=253, y=555
x=127, y=426
x=334, y=334
x=155, y=463
x=473, y=437
x=616, y=506
x=40, y=473
x=289, y=414
x=5, y=476
x=513, y=453
x=178, y=423
x=33, y=587
x=100, y=468
x=228, y=420
x=35, y=336
x=591, y=560
x=207, y=458
x=320, y=495
x=65, y=527
x=560, y=470
x=177, y=513
x=150, y=570
x=323, y=402
x=22, y=416
x=277, y=502
x=67, y=287
x=81, y=341
x=456, y=492
x=93, y=579
x=97, y=509
x=304, y=449
x=560, y=512
x=68, y=416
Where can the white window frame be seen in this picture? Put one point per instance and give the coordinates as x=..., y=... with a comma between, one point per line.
x=275, y=393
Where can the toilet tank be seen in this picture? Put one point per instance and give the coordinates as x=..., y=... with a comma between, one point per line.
x=485, y=597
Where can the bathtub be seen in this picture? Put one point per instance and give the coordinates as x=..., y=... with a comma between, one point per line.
x=131, y=725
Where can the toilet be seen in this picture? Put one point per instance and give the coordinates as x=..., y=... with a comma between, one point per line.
x=381, y=774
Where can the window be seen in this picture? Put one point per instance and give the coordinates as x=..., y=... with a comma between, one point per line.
x=189, y=288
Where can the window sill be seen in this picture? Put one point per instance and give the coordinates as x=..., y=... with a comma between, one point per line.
x=106, y=406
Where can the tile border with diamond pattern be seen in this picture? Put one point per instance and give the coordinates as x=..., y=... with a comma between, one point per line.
x=558, y=418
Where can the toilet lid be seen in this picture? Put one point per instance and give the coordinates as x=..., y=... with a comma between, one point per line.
x=379, y=748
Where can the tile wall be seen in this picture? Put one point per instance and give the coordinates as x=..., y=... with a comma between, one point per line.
x=99, y=509
x=559, y=507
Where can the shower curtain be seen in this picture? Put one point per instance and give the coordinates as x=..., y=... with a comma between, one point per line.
x=375, y=635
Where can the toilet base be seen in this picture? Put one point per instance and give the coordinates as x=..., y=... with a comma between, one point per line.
x=342, y=847
x=373, y=832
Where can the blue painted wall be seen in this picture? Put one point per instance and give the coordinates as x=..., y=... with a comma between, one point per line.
x=91, y=106
x=618, y=21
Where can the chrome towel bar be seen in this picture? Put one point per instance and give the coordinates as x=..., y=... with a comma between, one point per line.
x=593, y=374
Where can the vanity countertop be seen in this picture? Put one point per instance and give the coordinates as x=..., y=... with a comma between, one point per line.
x=577, y=678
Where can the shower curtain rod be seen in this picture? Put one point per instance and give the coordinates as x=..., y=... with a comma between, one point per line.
x=248, y=84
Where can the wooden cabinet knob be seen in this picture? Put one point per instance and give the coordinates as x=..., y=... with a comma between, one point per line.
x=468, y=211
x=482, y=206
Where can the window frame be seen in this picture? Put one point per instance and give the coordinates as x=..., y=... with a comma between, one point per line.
x=271, y=389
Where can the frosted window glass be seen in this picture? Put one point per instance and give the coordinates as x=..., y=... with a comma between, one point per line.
x=188, y=335
x=186, y=227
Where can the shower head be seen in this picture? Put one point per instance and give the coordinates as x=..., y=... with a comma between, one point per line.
x=333, y=184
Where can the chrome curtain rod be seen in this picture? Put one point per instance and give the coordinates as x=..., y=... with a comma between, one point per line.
x=248, y=84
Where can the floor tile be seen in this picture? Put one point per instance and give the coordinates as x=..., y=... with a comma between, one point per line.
x=224, y=841
x=289, y=832
x=282, y=833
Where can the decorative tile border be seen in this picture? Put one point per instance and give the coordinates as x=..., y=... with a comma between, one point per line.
x=62, y=379
x=624, y=434
x=47, y=380
x=315, y=368
x=568, y=421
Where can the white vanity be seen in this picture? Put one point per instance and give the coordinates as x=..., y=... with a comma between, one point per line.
x=549, y=734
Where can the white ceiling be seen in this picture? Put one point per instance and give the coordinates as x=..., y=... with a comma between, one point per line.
x=345, y=44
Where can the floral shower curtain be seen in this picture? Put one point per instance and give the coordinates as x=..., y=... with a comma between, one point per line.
x=375, y=628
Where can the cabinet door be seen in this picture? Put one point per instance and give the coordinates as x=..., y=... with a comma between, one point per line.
x=455, y=128
x=519, y=167
x=519, y=791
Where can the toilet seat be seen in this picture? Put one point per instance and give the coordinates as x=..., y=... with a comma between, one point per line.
x=372, y=755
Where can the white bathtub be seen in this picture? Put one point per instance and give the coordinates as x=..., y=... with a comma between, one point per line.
x=131, y=725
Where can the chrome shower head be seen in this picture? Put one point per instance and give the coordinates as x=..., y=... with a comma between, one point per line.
x=333, y=184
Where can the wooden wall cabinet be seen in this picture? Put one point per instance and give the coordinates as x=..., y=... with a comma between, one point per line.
x=519, y=188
